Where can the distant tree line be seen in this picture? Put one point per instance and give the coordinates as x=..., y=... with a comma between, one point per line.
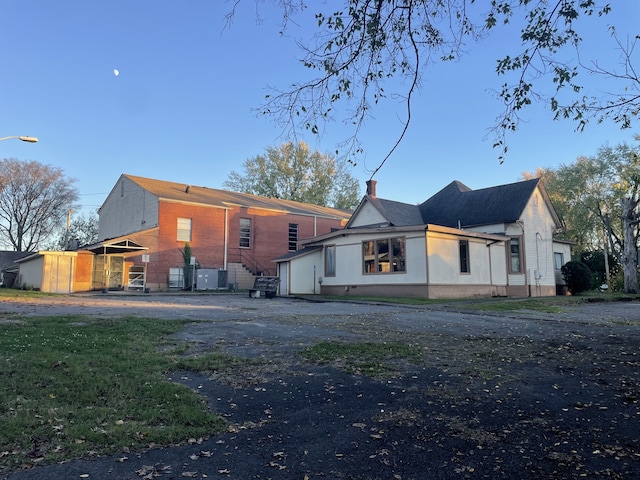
x=598, y=197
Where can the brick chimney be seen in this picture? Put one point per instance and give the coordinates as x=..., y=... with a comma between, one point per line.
x=371, y=188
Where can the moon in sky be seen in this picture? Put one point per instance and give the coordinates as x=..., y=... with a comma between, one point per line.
x=116, y=72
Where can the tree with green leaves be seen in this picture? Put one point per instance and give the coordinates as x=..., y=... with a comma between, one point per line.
x=187, y=268
x=83, y=230
x=292, y=172
x=364, y=51
x=34, y=200
x=599, y=196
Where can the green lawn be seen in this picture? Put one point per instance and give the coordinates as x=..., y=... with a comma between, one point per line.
x=500, y=304
x=77, y=386
x=370, y=359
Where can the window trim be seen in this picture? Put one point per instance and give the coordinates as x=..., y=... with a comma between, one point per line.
x=555, y=263
x=179, y=231
x=327, y=270
x=401, y=261
x=293, y=241
x=179, y=277
x=510, y=256
x=467, y=257
x=246, y=237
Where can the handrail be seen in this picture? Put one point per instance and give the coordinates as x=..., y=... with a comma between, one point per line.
x=257, y=266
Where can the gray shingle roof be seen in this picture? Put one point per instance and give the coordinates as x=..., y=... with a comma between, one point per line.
x=8, y=257
x=398, y=214
x=458, y=204
x=298, y=253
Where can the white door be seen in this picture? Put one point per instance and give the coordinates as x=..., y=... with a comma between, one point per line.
x=283, y=268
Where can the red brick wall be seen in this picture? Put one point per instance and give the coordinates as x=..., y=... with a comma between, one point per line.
x=269, y=238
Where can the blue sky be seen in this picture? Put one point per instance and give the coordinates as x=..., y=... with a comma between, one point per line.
x=181, y=108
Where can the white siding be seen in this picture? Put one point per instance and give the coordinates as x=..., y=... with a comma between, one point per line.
x=367, y=215
x=301, y=278
x=498, y=254
x=538, y=242
x=497, y=229
x=349, y=264
x=128, y=208
x=565, y=250
x=31, y=271
x=487, y=264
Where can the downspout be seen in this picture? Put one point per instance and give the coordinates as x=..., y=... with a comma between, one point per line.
x=491, y=266
x=226, y=238
x=315, y=225
x=426, y=257
x=538, y=274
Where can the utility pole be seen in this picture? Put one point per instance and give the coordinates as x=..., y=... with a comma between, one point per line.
x=66, y=236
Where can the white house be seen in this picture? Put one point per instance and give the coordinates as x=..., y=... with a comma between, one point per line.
x=496, y=241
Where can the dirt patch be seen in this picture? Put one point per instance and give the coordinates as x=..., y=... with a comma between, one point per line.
x=492, y=396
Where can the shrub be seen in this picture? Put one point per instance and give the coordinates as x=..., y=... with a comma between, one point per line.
x=577, y=276
x=595, y=261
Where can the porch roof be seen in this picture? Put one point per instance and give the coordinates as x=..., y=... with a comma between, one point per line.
x=298, y=253
x=109, y=247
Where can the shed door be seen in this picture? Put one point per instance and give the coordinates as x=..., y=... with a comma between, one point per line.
x=284, y=278
x=60, y=275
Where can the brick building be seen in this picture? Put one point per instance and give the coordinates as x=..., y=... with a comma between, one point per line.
x=145, y=224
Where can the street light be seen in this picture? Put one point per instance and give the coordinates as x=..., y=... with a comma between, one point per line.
x=24, y=138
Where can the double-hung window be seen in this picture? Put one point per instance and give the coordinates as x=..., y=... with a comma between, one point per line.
x=176, y=277
x=245, y=232
x=515, y=252
x=558, y=260
x=184, y=230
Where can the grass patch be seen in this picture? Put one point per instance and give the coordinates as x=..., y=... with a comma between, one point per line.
x=76, y=386
x=370, y=359
x=12, y=294
x=398, y=300
x=546, y=304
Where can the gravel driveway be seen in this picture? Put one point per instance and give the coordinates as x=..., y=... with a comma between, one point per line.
x=497, y=396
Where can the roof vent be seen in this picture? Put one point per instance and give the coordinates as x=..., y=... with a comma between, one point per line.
x=186, y=189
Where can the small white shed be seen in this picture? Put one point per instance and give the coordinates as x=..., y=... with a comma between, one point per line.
x=56, y=271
